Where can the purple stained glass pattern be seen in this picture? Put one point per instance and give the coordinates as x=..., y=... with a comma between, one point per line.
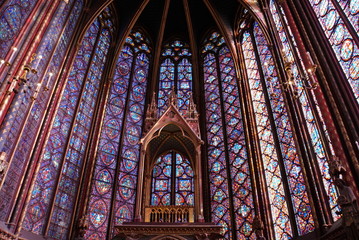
x=345, y=48
x=184, y=181
x=184, y=84
x=66, y=195
x=304, y=219
x=12, y=18
x=161, y=181
x=172, y=181
x=238, y=162
x=307, y=110
x=175, y=72
x=134, y=55
x=52, y=160
x=44, y=50
x=351, y=10
x=223, y=105
x=276, y=194
x=62, y=20
x=128, y=168
x=216, y=150
x=166, y=83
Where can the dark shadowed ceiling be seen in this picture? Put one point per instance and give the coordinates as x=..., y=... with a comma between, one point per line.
x=185, y=19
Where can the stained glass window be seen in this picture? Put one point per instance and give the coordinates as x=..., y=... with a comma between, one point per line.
x=116, y=164
x=276, y=192
x=308, y=108
x=282, y=135
x=172, y=181
x=229, y=174
x=127, y=175
x=175, y=72
x=340, y=34
x=351, y=10
x=52, y=48
x=12, y=19
x=62, y=159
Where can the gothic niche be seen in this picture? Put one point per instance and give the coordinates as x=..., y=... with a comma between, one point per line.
x=170, y=200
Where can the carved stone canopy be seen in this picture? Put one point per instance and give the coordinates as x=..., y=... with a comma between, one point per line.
x=186, y=117
x=171, y=131
x=176, y=131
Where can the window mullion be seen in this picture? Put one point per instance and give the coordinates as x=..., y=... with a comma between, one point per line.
x=71, y=130
x=308, y=94
x=119, y=158
x=225, y=137
x=276, y=140
x=347, y=23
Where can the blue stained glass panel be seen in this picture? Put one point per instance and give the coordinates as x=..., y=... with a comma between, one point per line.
x=165, y=186
x=13, y=16
x=175, y=72
x=222, y=101
x=36, y=222
x=61, y=216
x=307, y=107
x=345, y=48
x=118, y=117
x=63, y=19
x=270, y=160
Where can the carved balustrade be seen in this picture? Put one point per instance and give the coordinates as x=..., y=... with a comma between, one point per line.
x=169, y=214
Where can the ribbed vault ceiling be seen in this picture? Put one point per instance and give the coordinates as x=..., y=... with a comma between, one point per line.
x=188, y=20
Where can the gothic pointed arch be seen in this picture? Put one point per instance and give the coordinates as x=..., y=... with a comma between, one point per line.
x=171, y=143
x=179, y=119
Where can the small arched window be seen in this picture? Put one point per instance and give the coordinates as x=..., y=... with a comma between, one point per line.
x=172, y=180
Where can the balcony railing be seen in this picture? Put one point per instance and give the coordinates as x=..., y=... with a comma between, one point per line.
x=169, y=214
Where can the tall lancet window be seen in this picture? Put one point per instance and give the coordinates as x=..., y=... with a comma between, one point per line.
x=118, y=149
x=276, y=193
x=340, y=22
x=172, y=181
x=278, y=149
x=229, y=173
x=176, y=73
x=25, y=115
x=55, y=187
x=13, y=15
x=315, y=125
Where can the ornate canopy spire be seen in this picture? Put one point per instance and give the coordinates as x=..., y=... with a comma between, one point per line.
x=152, y=108
x=192, y=108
